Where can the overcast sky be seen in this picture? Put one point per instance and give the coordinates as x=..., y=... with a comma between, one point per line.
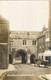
x=25, y=15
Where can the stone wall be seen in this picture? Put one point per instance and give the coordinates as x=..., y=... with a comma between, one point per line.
x=4, y=32
x=16, y=41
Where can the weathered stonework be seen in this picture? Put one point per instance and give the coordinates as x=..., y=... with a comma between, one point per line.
x=17, y=38
x=4, y=32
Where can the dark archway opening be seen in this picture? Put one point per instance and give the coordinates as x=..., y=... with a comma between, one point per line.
x=32, y=58
x=10, y=58
x=23, y=54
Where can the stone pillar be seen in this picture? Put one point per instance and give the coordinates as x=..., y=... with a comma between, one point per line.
x=28, y=58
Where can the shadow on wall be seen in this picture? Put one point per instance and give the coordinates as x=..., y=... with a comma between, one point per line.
x=10, y=58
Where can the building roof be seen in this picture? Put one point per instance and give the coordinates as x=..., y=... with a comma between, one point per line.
x=24, y=34
x=43, y=33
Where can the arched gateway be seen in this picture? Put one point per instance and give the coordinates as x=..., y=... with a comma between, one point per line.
x=23, y=54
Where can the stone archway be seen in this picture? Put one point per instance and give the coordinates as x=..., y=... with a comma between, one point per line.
x=23, y=54
x=32, y=58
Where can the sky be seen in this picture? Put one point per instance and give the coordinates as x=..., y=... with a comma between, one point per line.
x=25, y=15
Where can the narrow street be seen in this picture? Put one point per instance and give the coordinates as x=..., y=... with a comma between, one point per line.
x=31, y=69
x=26, y=72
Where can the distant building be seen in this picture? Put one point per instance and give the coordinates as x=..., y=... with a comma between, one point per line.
x=43, y=43
x=45, y=38
x=24, y=40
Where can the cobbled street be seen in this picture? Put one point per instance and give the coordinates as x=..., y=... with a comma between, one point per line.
x=26, y=72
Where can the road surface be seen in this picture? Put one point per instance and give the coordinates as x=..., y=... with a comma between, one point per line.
x=26, y=72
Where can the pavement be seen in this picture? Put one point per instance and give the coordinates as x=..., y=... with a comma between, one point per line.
x=37, y=73
x=48, y=76
x=18, y=73
x=45, y=77
x=10, y=68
